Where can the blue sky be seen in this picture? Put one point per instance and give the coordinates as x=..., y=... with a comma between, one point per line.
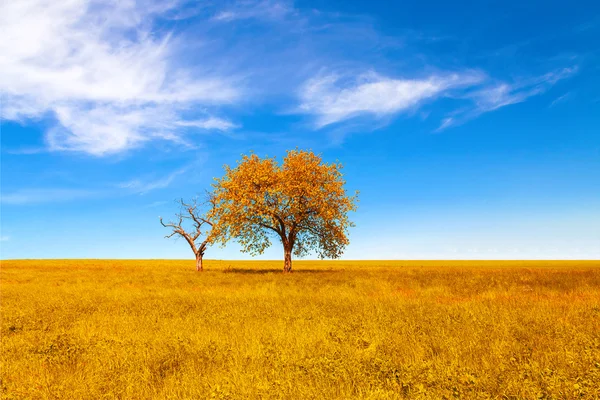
x=471, y=129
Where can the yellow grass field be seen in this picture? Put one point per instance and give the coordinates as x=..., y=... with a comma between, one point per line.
x=91, y=329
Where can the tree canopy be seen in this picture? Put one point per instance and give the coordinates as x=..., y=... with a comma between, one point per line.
x=301, y=202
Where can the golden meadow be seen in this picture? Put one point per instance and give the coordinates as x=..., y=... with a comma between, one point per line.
x=92, y=329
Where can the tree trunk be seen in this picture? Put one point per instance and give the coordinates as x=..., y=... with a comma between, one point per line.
x=287, y=260
x=199, y=263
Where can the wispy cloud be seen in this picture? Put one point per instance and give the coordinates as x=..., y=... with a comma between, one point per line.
x=210, y=123
x=51, y=195
x=141, y=186
x=497, y=95
x=560, y=99
x=110, y=81
x=503, y=94
x=333, y=98
x=28, y=196
x=26, y=150
x=269, y=10
x=113, y=79
x=446, y=123
x=4, y=238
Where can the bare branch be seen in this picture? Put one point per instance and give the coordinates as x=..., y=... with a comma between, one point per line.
x=190, y=211
x=169, y=224
x=206, y=221
x=197, y=220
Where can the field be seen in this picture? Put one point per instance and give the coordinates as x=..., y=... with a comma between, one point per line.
x=88, y=329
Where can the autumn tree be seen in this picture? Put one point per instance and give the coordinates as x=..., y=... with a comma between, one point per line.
x=192, y=224
x=301, y=202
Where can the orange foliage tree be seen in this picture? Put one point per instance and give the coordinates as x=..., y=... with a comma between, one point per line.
x=302, y=203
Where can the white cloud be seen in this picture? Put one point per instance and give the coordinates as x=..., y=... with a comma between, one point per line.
x=446, y=122
x=226, y=16
x=143, y=186
x=560, y=99
x=102, y=72
x=210, y=123
x=498, y=95
x=269, y=10
x=333, y=98
x=494, y=97
x=4, y=238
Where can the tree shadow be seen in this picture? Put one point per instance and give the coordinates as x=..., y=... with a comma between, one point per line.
x=275, y=271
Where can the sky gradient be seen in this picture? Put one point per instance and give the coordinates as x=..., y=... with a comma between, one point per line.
x=471, y=129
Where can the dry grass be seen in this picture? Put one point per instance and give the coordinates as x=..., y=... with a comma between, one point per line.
x=86, y=329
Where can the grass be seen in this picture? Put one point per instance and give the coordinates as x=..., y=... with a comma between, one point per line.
x=87, y=329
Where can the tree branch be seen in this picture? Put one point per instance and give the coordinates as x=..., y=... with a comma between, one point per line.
x=269, y=227
x=189, y=212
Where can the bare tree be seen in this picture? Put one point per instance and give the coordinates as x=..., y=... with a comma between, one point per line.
x=191, y=224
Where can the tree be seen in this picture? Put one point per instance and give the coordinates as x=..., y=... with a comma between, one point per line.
x=301, y=202
x=196, y=235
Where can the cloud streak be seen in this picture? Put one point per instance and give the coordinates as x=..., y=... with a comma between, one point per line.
x=334, y=98
x=560, y=99
x=144, y=186
x=497, y=95
x=102, y=73
x=265, y=10
x=29, y=196
x=46, y=195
